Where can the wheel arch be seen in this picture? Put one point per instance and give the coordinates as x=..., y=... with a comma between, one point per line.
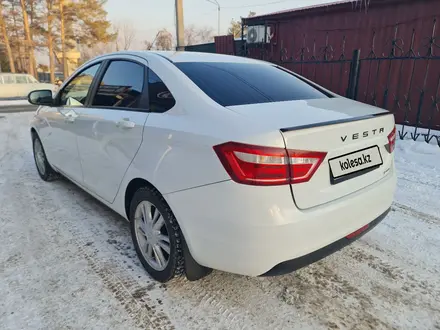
x=132, y=187
x=193, y=270
x=33, y=132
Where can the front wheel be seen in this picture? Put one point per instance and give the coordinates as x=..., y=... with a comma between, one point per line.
x=44, y=169
x=156, y=235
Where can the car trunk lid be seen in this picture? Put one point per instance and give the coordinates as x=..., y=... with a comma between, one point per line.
x=353, y=135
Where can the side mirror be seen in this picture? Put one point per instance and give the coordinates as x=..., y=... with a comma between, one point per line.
x=41, y=97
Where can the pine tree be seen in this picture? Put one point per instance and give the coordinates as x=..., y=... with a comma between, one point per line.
x=4, y=35
x=49, y=34
x=63, y=37
x=83, y=22
x=29, y=42
x=17, y=34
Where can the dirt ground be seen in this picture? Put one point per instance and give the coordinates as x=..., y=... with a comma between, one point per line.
x=67, y=262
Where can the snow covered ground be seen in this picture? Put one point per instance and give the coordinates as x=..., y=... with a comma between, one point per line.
x=67, y=262
x=8, y=103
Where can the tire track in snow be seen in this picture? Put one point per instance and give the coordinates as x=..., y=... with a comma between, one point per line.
x=415, y=213
x=140, y=308
x=204, y=296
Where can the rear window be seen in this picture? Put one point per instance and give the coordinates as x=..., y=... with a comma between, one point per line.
x=232, y=84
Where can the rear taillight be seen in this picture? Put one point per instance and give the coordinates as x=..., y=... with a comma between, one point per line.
x=303, y=164
x=267, y=166
x=392, y=140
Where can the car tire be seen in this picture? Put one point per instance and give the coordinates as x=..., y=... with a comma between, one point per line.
x=46, y=172
x=156, y=235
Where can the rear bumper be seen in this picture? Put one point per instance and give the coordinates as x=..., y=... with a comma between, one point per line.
x=298, y=263
x=250, y=230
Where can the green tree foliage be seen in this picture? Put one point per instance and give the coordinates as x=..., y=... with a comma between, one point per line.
x=85, y=23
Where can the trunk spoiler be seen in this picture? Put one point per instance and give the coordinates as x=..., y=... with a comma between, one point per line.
x=334, y=122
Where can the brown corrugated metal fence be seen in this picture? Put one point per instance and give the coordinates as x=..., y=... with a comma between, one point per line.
x=400, y=52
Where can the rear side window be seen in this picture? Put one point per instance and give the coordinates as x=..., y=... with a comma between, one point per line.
x=160, y=97
x=121, y=85
x=21, y=79
x=232, y=84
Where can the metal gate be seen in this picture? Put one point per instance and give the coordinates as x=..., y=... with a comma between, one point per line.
x=405, y=81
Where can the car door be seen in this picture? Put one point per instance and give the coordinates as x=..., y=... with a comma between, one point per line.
x=112, y=125
x=22, y=85
x=62, y=119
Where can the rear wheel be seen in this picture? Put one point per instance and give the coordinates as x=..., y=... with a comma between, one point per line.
x=156, y=235
x=44, y=169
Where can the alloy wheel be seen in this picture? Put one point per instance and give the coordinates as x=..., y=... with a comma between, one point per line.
x=152, y=235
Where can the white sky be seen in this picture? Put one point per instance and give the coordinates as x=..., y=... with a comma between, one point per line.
x=148, y=16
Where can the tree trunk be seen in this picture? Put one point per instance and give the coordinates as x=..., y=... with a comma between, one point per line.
x=20, y=63
x=30, y=45
x=63, y=40
x=50, y=40
x=32, y=14
x=6, y=40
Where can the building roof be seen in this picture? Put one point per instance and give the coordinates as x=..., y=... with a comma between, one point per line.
x=300, y=9
x=335, y=5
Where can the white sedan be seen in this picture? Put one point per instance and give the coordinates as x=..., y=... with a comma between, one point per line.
x=18, y=85
x=218, y=162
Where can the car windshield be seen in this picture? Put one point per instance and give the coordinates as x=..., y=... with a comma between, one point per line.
x=232, y=84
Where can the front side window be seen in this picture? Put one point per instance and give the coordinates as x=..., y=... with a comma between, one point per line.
x=121, y=86
x=21, y=79
x=160, y=97
x=75, y=93
x=232, y=84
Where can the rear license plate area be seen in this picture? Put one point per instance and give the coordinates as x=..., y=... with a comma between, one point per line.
x=354, y=164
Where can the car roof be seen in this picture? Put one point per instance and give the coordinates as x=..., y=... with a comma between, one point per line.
x=13, y=74
x=179, y=57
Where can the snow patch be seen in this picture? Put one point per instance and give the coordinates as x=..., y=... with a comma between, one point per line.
x=71, y=263
x=8, y=103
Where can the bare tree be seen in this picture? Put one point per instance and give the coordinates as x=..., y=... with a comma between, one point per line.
x=148, y=45
x=126, y=35
x=87, y=53
x=164, y=40
x=198, y=35
x=5, y=37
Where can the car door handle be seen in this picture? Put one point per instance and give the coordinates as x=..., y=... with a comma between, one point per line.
x=69, y=119
x=125, y=123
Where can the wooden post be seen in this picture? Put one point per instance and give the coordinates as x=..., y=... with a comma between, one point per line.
x=179, y=26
